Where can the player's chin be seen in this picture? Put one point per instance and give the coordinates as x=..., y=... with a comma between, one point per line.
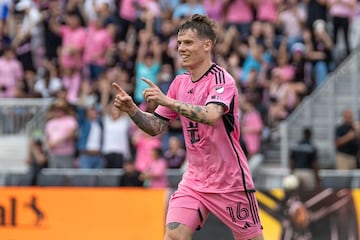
x=185, y=64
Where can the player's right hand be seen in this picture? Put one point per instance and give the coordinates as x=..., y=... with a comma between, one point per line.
x=123, y=101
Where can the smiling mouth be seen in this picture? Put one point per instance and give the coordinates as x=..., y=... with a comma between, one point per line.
x=184, y=58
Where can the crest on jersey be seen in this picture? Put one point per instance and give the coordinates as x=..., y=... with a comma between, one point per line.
x=219, y=89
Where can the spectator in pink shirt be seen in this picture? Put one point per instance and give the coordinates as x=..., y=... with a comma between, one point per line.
x=342, y=12
x=291, y=20
x=97, y=43
x=241, y=21
x=155, y=175
x=267, y=10
x=73, y=41
x=11, y=73
x=144, y=145
x=251, y=128
x=60, y=131
x=71, y=53
x=128, y=12
x=214, y=9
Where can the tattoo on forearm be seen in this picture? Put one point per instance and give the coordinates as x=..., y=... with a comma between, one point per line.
x=195, y=113
x=149, y=123
x=173, y=225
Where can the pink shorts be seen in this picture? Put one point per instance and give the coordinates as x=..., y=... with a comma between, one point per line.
x=237, y=210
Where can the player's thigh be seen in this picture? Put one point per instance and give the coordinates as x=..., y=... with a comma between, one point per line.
x=187, y=210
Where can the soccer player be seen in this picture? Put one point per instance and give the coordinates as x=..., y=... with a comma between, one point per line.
x=217, y=178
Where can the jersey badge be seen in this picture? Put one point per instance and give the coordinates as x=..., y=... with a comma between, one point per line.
x=219, y=89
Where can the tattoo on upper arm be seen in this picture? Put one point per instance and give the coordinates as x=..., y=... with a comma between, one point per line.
x=196, y=113
x=173, y=225
x=149, y=123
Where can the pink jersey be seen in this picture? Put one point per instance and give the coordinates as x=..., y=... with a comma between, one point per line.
x=216, y=162
x=11, y=72
x=235, y=8
x=96, y=44
x=267, y=10
x=72, y=39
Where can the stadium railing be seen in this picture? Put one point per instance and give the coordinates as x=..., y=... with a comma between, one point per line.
x=22, y=115
x=322, y=110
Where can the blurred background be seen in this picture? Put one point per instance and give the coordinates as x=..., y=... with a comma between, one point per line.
x=296, y=64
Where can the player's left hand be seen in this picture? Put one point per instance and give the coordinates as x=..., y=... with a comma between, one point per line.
x=154, y=94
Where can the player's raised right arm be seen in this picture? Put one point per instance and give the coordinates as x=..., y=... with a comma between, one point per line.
x=146, y=121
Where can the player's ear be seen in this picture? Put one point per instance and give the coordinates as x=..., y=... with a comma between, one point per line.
x=208, y=44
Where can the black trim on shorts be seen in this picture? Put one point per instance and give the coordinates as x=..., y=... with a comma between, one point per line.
x=254, y=210
x=201, y=219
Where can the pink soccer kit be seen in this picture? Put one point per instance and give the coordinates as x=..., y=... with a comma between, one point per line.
x=216, y=162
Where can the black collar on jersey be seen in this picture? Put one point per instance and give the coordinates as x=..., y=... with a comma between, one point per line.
x=206, y=73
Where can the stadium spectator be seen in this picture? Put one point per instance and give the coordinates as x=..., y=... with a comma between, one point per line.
x=175, y=153
x=267, y=10
x=60, y=131
x=116, y=144
x=148, y=61
x=11, y=74
x=251, y=126
x=71, y=52
x=90, y=137
x=214, y=9
x=315, y=10
x=291, y=21
x=5, y=40
x=128, y=15
x=155, y=175
x=341, y=13
x=304, y=163
x=242, y=21
x=37, y=157
x=28, y=36
x=52, y=40
x=97, y=44
x=144, y=144
x=48, y=83
x=26, y=88
x=319, y=51
x=116, y=138
x=185, y=9
x=302, y=82
x=346, y=141
x=282, y=98
x=130, y=176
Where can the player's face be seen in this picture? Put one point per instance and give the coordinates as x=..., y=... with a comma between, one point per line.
x=192, y=50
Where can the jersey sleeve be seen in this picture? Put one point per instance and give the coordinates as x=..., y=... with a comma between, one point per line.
x=222, y=91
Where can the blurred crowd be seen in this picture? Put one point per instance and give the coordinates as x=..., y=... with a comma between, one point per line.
x=278, y=51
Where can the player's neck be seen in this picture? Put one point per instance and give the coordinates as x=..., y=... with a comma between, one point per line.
x=200, y=70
